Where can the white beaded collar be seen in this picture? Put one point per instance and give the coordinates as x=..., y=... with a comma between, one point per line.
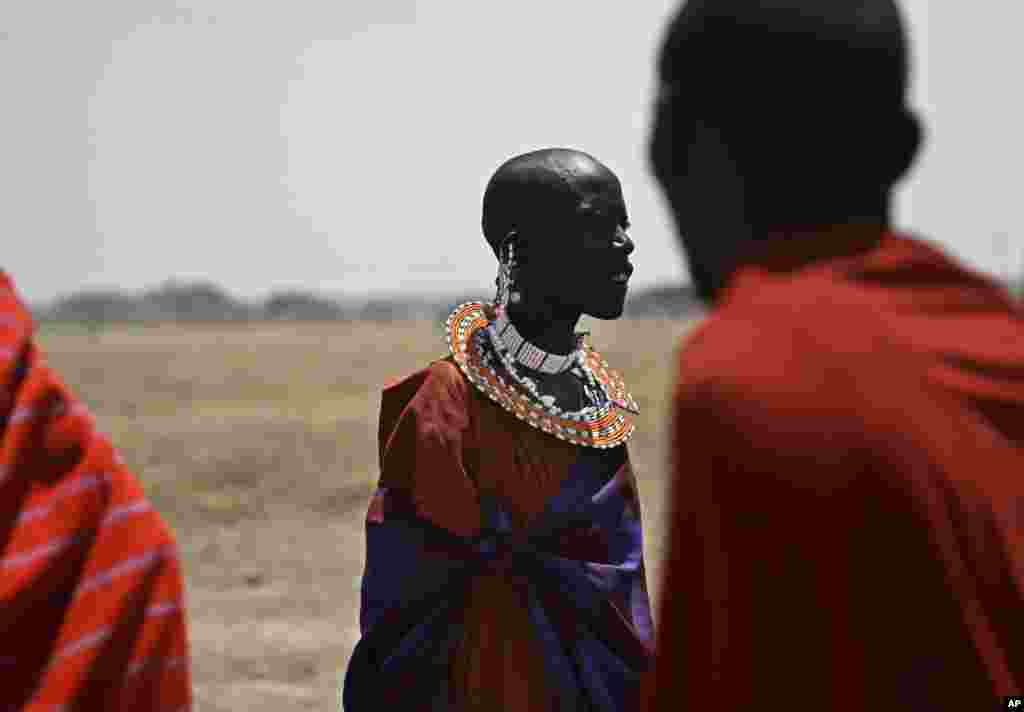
x=530, y=355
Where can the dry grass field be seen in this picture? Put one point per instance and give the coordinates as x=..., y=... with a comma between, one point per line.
x=258, y=444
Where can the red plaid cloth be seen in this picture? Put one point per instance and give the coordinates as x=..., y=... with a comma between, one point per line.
x=91, y=594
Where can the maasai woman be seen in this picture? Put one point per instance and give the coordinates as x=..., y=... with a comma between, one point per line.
x=504, y=553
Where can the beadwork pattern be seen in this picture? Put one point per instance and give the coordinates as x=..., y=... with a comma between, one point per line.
x=526, y=353
x=602, y=426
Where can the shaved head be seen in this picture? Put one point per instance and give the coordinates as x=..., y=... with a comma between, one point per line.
x=537, y=191
x=779, y=114
x=792, y=83
x=570, y=220
x=831, y=51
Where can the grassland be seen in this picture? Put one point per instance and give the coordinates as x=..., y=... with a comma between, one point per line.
x=258, y=444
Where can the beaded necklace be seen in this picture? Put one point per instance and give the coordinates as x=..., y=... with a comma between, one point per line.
x=511, y=348
x=473, y=338
x=504, y=332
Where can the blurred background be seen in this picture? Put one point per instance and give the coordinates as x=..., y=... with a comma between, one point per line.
x=342, y=148
x=236, y=220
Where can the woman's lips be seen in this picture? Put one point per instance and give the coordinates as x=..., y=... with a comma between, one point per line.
x=622, y=276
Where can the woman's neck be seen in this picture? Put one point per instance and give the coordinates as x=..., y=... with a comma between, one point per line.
x=556, y=335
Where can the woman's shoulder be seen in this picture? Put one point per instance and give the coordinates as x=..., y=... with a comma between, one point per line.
x=439, y=379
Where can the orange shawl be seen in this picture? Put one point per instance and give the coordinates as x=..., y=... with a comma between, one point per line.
x=848, y=499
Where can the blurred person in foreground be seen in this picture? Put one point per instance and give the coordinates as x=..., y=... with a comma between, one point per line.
x=848, y=493
x=504, y=550
x=91, y=610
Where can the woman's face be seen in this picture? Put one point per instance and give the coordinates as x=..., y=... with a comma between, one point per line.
x=578, y=259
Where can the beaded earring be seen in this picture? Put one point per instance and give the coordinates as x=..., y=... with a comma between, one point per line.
x=507, y=292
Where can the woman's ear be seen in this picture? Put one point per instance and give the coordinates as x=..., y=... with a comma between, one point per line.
x=908, y=137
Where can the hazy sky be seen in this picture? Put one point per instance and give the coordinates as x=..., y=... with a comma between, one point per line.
x=344, y=146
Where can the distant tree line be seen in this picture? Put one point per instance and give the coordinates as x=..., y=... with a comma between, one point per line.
x=207, y=302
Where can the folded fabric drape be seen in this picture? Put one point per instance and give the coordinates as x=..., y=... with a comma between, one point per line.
x=579, y=567
x=91, y=603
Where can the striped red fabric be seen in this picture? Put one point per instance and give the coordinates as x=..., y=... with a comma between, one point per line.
x=91, y=595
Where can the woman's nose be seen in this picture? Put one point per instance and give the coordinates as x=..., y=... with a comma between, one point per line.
x=624, y=241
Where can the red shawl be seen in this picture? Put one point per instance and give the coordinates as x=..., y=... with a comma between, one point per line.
x=848, y=502
x=91, y=608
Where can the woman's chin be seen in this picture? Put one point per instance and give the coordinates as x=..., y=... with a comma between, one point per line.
x=606, y=312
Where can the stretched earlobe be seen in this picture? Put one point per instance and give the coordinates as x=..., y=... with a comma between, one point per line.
x=507, y=269
x=515, y=295
x=508, y=244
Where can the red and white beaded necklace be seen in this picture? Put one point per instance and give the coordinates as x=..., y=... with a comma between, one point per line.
x=472, y=336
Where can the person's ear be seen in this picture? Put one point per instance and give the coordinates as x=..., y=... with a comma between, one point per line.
x=908, y=137
x=669, y=142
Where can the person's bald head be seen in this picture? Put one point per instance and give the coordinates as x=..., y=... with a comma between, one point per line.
x=813, y=52
x=799, y=85
x=537, y=192
x=779, y=113
x=569, y=217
